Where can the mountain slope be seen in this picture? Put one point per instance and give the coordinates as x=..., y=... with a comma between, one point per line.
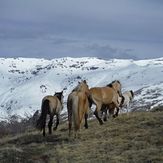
x=134, y=137
x=25, y=81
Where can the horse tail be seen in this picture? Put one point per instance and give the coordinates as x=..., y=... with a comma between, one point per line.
x=90, y=101
x=41, y=122
x=69, y=110
x=132, y=93
x=122, y=101
x=75, y=112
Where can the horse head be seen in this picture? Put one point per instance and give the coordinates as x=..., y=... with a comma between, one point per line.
x=116, y=85
x=59, y=95
x=83, y=87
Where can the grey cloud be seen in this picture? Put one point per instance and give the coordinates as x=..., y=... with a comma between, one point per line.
x=55, y=28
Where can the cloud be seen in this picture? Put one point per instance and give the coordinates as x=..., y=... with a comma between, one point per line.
x=55, y=28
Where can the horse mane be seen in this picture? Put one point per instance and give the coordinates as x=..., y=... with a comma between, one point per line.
x=59, y=95
x=123, y=99
x=78, y=86
x=118, y=81
x=111, y=84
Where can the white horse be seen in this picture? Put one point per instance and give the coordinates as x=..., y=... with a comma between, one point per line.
x=126, y=99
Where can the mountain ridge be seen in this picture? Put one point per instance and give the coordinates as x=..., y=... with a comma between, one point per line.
x=25, y=81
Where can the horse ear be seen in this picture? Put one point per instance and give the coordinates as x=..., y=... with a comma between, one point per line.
x=78, y=82
x=85, y=81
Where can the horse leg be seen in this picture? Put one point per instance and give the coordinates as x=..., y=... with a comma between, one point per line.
x=44, y=124
x=57, y=122
x=96, y=113
x=128, y=105
x=116, y=114
x=117, y=110
x=86, y=123
x=70, y=120
x=44, y=131
x=50, y=124
x=105, y=116
x=98, y=118
x=70, y=126
x=75, y=134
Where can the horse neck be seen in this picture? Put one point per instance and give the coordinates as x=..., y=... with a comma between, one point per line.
x=118, y=91
x=129, y=94
x=75, y=89
x=78, y=89
x=114, y=86
x=59, y=98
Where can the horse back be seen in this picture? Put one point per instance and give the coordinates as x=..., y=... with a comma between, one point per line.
x=78, y=104
x=55, y=105
x=83, y=100
x=103, y=94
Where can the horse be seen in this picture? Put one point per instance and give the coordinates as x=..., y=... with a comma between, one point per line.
x=78, y=106
x=111, y=109
x=105, y=96
x=51, y=105
x=128, y=96
x=124, y=101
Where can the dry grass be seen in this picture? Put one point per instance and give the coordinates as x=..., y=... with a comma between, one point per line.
x=134, y=138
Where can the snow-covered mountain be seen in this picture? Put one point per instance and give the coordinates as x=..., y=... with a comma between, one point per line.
x=25, y=81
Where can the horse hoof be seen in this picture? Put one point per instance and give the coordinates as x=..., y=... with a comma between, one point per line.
x=101, y=123
x=114, y=116
x=86, y=126
x=55, y=128
x=105, y=119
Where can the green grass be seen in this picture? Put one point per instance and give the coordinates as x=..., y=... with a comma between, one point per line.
x=134, y=138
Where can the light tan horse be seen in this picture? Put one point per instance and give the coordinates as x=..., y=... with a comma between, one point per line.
x=105, y=95
x=78, y=106
x=51, y=105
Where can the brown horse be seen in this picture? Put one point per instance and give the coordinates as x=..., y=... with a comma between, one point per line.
x=124, y=101
x=105, y=96
x=78, y=106
x=111, y=109
x=51, y=105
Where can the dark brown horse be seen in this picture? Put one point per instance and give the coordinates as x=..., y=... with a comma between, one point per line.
x=78, y=106
x=51, y=105
x=105, y=96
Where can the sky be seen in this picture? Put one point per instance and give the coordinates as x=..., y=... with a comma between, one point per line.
x=79, y=28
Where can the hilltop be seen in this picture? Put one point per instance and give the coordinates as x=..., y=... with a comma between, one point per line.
x=134, y=137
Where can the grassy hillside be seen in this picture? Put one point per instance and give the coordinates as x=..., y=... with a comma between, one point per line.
x=136, y=137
